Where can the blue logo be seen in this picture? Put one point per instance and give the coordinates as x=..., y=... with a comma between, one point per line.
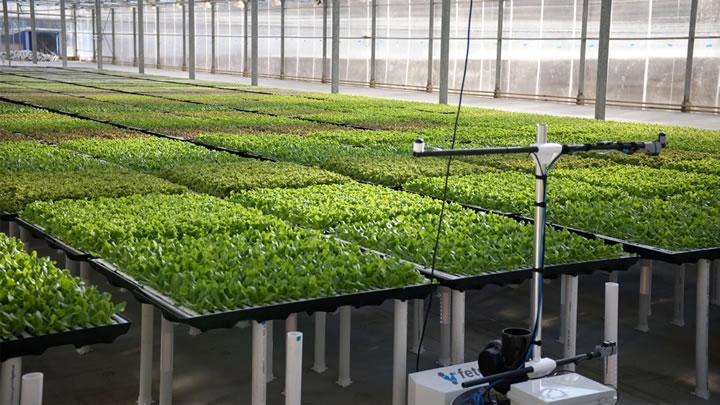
x=450, y=377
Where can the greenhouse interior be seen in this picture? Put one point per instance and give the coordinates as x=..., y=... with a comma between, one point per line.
x=361, y=202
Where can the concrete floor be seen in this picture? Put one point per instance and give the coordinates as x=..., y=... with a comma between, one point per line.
x=214, y=368
x=696, y=120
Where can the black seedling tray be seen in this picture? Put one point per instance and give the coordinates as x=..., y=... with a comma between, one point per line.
x=36, y=345
x=40, y=233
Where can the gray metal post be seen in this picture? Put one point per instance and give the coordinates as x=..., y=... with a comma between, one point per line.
x=191, y=39
x=583, y=47
x=373, y=34
x=6, y=27
x=63, y=33
x=184, y=38
x=602, y=60
x=112, y=26
x=431, y=40
x=33, y=26
x=75, y=32
x=141, y=37
x=213, y=38
x=498, y=54
x=324, y=42
x=134, y=28
x=94, y=35
x=245, y=52
x=335, y=68
x=254, y=44
x=444, y=50
x=282, y=39
x=689, y=61
x=157, y=36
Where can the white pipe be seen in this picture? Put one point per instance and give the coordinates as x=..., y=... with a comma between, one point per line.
x=291, y=323
x=716, y=284
x=31, y=392
x=26, y=239
x=293, y=368
x=10, y=381
x=269, y=351
x=445, y=311
x=319, y=363
x=85, y=272
x=610, y=374
x=644, y=299
x=344, y=370
x=570, y=332
x=73, y=266
x=146, y=355
x=563, y=283
x=418, y=317
x=400, y=353
x=458, y=327
x=259, y=384
x=167, y=338
x=679, y=296
x=702, y=329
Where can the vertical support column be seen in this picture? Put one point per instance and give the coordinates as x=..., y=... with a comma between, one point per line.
x=644, y=300
x=141, y=36
x=259, y=384
x=444, y=51
x=293, y=368
x=254, y=69
x=94, y=35
x=146, y=355
x=345, y=329
x=679, y=296
x=431, y=42
x=134, y=34
x=184, y=38
x=213, y=38
x=563, y=288
x=31, y=390
x=157, y=36
x=75, y=32
x=191, y=39
x=282, y=39
x=319, y=360
x=418, y=317
x=689, y=61
x=458, y=327
x=610, y=375
x=445, y=311
x=291, y=323
x=6, y=27
x=613, y=276
x=167, y=341
x=400, y=353
x=99, y=34
x=269, y=351
x=10, y=378
x=33, y=27
x=373, y=35
x=335, y=69
x=583, y=48
x=324, y=42
x=716, y=292
x=702, y=321
x=570, y=331
x=498, y=51
x=112, y=27
x=245, y=42
x=602, y=60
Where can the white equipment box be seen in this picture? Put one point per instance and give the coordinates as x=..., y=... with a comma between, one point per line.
x=566, y=389
x=441, y=385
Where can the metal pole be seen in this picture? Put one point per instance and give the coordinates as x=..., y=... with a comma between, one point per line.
x=269, y=354
x=6, y=28
x=570, y=331
x=324, y=41
x=146, y=355
x=157, y=36
x=134, y=34
x=191, y=39
x=167, y=341
x=184, y=38
x=702, y=320
x=458, y=327
x=535, y=304
x=644, y=299
x=245, y=25
x=319, y=361
x=583, y=47
x=112, y=26
x=445, y=331
x=679, y=296
x=259, y=385
x=282, y=39
x=610, y=375
x=444, y=50
x=602, y=60
x=498, y=52
x=75, y=32
x=431, y=41
x=335, y=68
x=373, y=32
x=293, y=368
x=400, y=353
x=93, y=23
x=345, y=332
x=689, y=61
x=33, y=26
x=141, y=37
x=213, y=38
x=254, y=40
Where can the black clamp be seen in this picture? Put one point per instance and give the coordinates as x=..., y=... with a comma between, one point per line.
x=541, y=204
